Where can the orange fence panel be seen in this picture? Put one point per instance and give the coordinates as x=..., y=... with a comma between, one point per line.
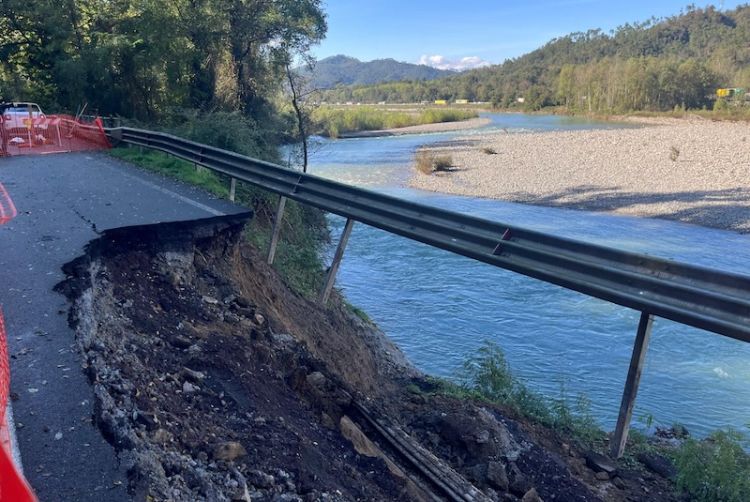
x=53, y=134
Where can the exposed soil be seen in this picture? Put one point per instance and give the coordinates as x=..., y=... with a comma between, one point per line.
x=216, y=382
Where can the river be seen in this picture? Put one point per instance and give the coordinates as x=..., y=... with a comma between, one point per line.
x=440, y=308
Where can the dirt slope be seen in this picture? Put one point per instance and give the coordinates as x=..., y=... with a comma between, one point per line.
x=216, y=382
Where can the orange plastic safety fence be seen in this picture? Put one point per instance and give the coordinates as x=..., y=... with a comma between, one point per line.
x=53, y=134
x=4, y=371
x=7, y=208
x=13, y=486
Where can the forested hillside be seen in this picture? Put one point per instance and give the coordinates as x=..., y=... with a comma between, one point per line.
x=344, y=70
x=655, y=65
x=156, y=60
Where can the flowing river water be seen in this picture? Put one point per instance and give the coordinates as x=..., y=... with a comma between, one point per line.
x=440, y=308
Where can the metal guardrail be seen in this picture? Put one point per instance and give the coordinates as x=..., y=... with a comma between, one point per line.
x=701, y=297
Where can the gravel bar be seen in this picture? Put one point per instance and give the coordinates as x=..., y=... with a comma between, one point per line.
x=692, y=170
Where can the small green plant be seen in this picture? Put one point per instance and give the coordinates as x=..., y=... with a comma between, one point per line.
x=647, y=419
x=488, y=376
x=674, y=153
x=716, y=469
x=489, y=151
x=358, y=312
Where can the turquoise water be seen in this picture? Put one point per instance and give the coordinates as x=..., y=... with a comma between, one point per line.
x=439, y=307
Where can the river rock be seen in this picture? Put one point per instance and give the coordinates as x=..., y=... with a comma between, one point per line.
x=531, y=496
x=598, y=463
x=659, y=464
x=497, y=476
x=229, y=451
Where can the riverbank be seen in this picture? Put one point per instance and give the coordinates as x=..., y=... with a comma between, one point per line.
x=691, y=170
x=420, y=129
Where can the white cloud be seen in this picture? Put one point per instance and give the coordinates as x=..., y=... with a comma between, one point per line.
x=443, y=63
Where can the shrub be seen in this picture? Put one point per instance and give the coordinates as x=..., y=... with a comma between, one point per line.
x=428, y=163
x=442, y=163
x=716, y=469
x=488, y=375
x=674, y=153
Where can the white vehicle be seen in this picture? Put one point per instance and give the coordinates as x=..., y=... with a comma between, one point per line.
x=16, y=115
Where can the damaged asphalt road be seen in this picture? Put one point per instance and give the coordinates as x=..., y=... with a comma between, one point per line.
x=63, y=202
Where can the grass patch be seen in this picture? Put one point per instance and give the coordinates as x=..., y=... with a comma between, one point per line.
x=358, y=312
x=334, y=121
x=428, y=163
x=487, y=376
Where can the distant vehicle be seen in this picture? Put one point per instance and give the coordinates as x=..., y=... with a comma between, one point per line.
x=16, y=115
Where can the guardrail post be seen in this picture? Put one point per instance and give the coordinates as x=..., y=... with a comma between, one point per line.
x=232, y=188
x=631, y=385
x=276, y=230
x=331, y=276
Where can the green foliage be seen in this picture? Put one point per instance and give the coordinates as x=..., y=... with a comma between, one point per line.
x=488, y=376
x=657, y=65
x=716, y=469
x=139, y=59
x=333, y=121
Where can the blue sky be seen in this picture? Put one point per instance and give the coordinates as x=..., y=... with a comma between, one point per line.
x=485, y=30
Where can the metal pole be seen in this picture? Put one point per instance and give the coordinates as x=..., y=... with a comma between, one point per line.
x=59, y=136
x=232, y=188
x=331, y=277
x=631, y=385
x=276, y=230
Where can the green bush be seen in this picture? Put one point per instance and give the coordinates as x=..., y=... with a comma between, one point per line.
x=488, y=376
x=716, y=469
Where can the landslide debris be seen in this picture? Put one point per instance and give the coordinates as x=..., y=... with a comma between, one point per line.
x=214, y=381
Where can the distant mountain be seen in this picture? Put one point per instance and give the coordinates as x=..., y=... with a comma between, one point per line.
x=344, y=70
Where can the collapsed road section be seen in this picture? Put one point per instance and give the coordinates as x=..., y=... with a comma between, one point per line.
x=214, y=381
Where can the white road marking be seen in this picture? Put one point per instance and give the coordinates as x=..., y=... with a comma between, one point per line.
x=186, y=200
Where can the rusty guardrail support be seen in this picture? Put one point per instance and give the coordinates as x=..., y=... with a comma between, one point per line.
x=276, y=230
x=325, y=293
x=640, y=347
x=232, y=188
